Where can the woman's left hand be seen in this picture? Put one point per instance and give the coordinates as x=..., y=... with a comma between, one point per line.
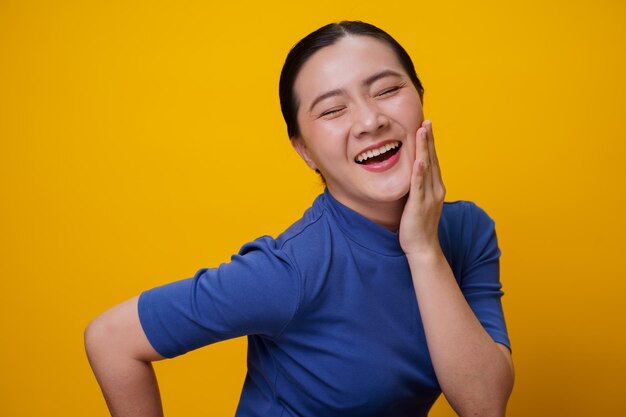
x=420, y=219
x=474, y=373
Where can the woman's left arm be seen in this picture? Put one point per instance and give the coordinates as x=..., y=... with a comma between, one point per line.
x=474, y=372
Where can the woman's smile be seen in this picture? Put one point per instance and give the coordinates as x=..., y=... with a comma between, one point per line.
x=381, y=157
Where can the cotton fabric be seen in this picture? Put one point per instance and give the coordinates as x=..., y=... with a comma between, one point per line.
x=330, y=312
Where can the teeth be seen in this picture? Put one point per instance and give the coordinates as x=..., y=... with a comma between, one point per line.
x=375, y=152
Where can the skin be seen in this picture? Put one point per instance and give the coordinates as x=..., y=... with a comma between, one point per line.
x=121, y=357
x=475, y=374
x=362, y=114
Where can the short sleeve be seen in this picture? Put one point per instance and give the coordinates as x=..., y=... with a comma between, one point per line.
x=480, y=274
x=257, y=292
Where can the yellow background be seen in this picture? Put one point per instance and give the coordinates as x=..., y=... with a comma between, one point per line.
x=142, y=140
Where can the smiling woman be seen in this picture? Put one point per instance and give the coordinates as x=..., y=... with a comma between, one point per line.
x=380, y=298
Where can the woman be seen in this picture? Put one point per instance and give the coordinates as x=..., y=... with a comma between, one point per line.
x=373, y=303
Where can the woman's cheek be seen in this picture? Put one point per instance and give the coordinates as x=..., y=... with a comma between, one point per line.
x=412, y=104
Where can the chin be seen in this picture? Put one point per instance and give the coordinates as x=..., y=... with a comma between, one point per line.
x=391, y=192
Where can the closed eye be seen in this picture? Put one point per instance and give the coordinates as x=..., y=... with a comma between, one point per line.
x=332, y=112
x=390, y=90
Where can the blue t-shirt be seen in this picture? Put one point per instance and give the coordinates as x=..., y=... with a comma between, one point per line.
x=330, y=312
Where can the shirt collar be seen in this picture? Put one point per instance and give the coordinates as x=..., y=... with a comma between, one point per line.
x=362, y=230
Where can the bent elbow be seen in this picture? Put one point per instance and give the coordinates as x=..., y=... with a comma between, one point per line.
x=118, y=333
x=96, y=336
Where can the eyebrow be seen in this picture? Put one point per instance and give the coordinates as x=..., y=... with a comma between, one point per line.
x=368, y=82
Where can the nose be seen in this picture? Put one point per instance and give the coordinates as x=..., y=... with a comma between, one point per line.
x=368, y=119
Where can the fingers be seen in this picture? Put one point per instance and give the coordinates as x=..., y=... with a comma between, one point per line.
x=422, y=165
x=426, y=161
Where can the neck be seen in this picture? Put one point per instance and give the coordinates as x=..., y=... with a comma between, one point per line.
x=386, y=214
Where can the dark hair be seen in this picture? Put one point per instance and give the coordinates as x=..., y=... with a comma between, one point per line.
x=321, y=38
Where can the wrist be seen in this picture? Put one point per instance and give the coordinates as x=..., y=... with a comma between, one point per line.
x=426, y=255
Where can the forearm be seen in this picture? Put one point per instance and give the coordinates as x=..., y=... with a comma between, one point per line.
x=474, y=372
x=129, y=386
x=120, y=357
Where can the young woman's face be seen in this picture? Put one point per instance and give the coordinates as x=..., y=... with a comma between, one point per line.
x=358, y=114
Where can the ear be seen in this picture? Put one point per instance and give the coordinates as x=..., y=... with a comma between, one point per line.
x=300, y=147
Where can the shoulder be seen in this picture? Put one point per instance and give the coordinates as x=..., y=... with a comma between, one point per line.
x=309, y=226
x=465, y=219
x=309, y=235
x=289, y=250
x=463, y=212
x=465, y=230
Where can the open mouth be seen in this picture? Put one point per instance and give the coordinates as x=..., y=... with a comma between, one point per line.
x=378, y=155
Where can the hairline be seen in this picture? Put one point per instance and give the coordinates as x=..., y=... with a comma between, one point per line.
x=346, y=34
